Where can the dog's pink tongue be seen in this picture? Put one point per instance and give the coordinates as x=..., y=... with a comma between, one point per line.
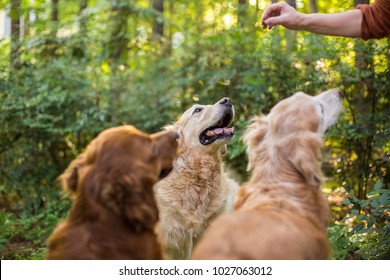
x=218, y=131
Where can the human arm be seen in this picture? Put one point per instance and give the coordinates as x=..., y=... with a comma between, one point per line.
x=347, y=24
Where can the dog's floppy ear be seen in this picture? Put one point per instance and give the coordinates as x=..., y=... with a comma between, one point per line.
x=180, y=140
x=69, y=179
x=253, y=135
x=303, y=151
x=164, y=140
x=129, y=199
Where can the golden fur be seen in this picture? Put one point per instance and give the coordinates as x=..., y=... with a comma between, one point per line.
x=114, y=212
x=198, y=189
x=280, y=213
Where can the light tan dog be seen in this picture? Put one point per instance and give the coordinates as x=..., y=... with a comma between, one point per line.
x=198, y=189
x=114, y=212
x=280, y=213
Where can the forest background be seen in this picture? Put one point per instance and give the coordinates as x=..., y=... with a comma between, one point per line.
x=70, y=69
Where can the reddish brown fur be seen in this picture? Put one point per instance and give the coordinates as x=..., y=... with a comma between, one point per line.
x=114, y=211
x=280, y=213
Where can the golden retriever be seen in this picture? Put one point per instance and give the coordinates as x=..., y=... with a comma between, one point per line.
x=280, y=213
x=198, y=189
x=114, y=211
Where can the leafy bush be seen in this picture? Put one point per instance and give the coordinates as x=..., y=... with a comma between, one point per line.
x=365, y=232
x=24, y=236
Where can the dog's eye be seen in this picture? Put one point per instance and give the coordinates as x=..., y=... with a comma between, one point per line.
x=197, y=110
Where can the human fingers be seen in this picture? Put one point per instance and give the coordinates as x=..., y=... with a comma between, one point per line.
x=271, y=10
x=263, y=22
x=275, y=20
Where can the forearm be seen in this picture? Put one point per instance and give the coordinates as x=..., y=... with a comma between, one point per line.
x=347, y=24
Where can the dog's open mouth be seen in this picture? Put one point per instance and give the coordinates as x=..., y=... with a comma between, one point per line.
x=218, y=131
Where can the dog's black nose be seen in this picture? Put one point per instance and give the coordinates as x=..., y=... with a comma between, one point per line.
x=226, y=101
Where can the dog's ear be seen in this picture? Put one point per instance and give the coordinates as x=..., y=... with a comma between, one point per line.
x=129, y=199
x=164, y=141
x=253, y=135
x=303, y=151
x=69, y=179
x=180, y=139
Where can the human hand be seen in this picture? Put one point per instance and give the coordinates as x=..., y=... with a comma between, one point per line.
x=283, y=14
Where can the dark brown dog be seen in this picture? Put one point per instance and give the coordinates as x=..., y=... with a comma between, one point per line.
x=280, y=213
x=114, y=212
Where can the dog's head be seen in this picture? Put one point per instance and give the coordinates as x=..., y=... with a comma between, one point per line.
x=207, y=126
x=302, y=112
x=118, y=170
x=293, y=131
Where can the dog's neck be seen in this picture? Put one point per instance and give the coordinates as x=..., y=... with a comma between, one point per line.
x=271, y=167
x=189, y=160
x=269, y=174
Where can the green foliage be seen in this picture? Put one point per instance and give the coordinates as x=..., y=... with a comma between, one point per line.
x=24, y=236
x=365, y=232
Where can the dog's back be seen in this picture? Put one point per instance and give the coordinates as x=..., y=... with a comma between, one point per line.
x=270, y=229
x=96, y=241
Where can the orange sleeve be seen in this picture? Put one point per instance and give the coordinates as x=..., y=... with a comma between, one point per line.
x=376, y=19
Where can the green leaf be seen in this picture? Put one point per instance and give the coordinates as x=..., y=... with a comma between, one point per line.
x=370, y=222
x=384, y=199
x=361, y=218
x=375, y=204
x=354, y=212
x=347, y=202
x=378, y=185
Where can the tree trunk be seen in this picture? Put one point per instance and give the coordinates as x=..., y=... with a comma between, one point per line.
x=51, y=44
x=365, y=101
x=15, y=35
x=118, y=51
x=169, y=29
x=158, y=24
x=54, y=16
x=26, y=25
x=119, y=31
x=82, y=19
x=80, y=47
x=255, y=15
x=242, y=13
x=313, y=6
